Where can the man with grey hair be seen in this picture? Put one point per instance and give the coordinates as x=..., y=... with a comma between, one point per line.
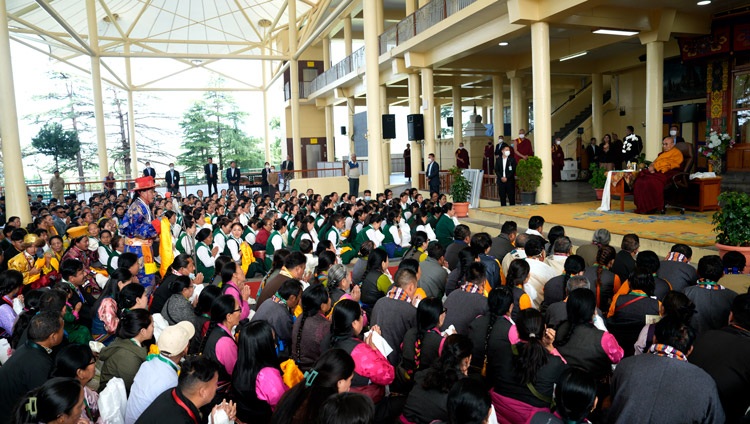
x=588, y=252
x=561, y=249
x=557, y=312
x=518, y=253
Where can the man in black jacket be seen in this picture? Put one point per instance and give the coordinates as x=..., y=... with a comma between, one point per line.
x=233, y=177
x=433, y=174
x=30, y=365
x=625, y=259
x=75, y=276
x=196, y=388
x=172, y=178
x=505, y=170
x=212, y=175
x=286, y=167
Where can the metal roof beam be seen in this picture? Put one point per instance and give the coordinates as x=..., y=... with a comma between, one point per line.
x=63, y=23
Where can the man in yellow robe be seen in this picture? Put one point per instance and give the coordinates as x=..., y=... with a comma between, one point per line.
x=648, y=190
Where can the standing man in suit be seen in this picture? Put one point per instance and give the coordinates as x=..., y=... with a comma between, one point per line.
x=173, y=179
x=149, y=171
x=233, y=177
x=505, y=170
x=264, y=179
x=286, y=167
x=592, y=152
x=433, y=174
x=212, y=175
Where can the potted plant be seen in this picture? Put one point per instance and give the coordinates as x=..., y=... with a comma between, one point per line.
x=598, y=179
x=732, y=224
x=460, y=192
x=529, y=176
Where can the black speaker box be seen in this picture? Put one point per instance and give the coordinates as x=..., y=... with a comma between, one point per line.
x=415, y=124
x=389, y=126
x=450, y=121
x=343, y=130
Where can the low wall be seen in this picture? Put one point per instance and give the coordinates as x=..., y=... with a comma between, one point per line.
x=326, y=185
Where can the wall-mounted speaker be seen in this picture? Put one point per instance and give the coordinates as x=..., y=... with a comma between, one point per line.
x=389, y=126
x=415, y=124
x=343, y=130
x=450, y=121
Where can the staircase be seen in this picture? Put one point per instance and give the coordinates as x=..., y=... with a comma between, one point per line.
x=735, y=181
x=574, y=123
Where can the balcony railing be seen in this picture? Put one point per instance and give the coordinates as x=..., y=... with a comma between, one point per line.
x=418, y=22
x=350, y=64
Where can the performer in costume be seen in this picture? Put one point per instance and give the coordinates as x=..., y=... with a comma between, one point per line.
x=137, y=229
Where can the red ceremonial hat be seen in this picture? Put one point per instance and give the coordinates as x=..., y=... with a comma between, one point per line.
x=144, y=183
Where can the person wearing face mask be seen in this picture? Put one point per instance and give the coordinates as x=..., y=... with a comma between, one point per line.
x=558, y=161
x=499, y=147
x=264, y=179
x=462, y=157
x=522, y=145
x=505, y=170
x=433, y=174
x=172, y=178
x=674, y=132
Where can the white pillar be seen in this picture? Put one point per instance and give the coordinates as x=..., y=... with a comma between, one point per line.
x=131, y=116
x=597, y=93
x=542, y=106
x=458, y=118
x=654, y=98
x=330, y=134
x=428, y=102
x=372, y=77
x=497, y=105
x=381, y=18
x=294, y=85
x=266, y=121
x=416, y=148
x=517, y=100
x=16, y=202
x=386, y=145
x=131, y=133
x=348, y=35
x=350, y=123
x=411, y=7
x=96, y=81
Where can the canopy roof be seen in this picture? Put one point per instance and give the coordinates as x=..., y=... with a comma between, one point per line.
x=167, y=44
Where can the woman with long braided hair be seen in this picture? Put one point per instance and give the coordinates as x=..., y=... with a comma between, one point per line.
x=481, y=330
x=607, y=283
x=311, y=327
x=422, y=343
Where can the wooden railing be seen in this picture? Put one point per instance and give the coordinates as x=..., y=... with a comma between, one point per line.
x=489, y=185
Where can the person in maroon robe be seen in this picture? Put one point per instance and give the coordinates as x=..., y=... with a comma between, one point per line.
x=488, y=164
x=462, y=157
x=522, y=146
x=558, y=161
x=407, y=162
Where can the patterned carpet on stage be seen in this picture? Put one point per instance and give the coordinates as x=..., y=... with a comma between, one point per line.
x=693, y=228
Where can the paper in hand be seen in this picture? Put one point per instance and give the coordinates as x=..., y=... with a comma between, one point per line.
x=383, y=347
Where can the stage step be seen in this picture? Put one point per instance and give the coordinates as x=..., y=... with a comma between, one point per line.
x=489, y=222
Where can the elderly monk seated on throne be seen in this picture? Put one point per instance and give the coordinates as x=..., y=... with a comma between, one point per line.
x=648, y=190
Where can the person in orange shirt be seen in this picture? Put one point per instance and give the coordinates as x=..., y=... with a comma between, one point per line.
x=648, y=190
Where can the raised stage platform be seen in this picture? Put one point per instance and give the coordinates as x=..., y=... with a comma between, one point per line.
x=657, y=232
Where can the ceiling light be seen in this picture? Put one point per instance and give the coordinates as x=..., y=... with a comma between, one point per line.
x=502, y=43
x=573, y=56
x=197, y=62
x=607, y=31
x=704, y=2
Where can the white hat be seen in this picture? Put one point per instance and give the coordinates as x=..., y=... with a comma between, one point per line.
x=175, y=338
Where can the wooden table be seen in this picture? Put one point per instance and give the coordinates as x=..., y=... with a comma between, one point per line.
x=619, y=179
x=702, y=194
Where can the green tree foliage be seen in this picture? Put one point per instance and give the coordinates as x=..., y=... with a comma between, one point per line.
x=275, y=125
x=53, y=140
x=211, y=129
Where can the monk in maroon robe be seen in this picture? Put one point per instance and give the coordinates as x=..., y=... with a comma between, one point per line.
x=462, y=157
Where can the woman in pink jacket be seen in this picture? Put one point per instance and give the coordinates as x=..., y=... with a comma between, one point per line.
x=372, y=371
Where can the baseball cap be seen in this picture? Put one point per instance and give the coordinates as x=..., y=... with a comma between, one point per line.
x=175, y=338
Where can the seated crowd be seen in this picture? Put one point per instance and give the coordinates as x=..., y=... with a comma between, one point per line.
x=288, y=310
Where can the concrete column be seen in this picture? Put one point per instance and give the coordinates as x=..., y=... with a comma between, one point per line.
x=416, y=147
x=497, y=105
x=597, y=93
x=458, y=118
x=485, y=114
x=525, y=118
x=381, y=18
x=348, y=35
x=266, y=120
x=131, y=116
x=131, y=133
x=330, y=134
x=386, y=145
x=542, y=106
x=654, y=98
x=96, y=81
x=517, y=100
x=428, y=102
x=294, y=82
x=350, y=123
x=326, y=42
x=411, y=7
x=375, y=170
x=16, y=202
